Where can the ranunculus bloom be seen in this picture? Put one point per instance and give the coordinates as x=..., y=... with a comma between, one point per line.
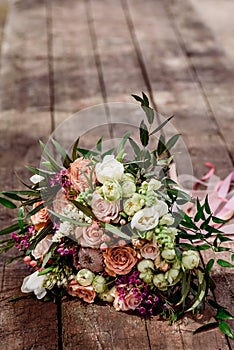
x=119, y=260
x=145, y=219
x=88, y=294
x=89, y=236
x=41, y=218
x=109, y=169
x=104, y=210
x=80, y=174
x=149, y=251
x=130, y=302
x=34, y=283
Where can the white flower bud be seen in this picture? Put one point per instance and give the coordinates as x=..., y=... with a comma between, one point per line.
x=145, y=265
x=85, y=277
x=190, y=259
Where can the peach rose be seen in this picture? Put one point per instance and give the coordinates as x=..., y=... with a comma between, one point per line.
x=149, y=251
x=104, y=210
x=41, y=219
x=90, y=236
x=161, y=264
x=80, y=173
x=119, y=260
x=130, y=302
x=88, y=294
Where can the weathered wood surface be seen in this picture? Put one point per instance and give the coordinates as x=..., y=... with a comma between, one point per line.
x=61, y=56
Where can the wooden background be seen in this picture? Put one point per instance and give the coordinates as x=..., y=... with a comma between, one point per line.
x=60, y=56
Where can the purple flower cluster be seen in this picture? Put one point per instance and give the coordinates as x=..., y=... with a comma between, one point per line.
x=23, y=241
x=149, y=303
x=60, y=178
x=65, y=251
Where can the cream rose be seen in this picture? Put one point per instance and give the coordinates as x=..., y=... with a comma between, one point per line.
x=190, y=259
x=104, y=210
x=80, y=173
x=109, y=169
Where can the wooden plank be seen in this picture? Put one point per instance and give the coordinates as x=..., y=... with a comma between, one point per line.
x=175, y=86
x=215, y=70
x=25, y=117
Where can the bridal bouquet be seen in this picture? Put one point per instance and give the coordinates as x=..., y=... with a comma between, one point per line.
x=102, y=228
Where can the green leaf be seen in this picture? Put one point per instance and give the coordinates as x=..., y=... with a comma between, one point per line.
x=137, y=98
x=10, y=260
x=45, y=271
x=224, y=314
x=9, y=229
x=161, y=145
x=7, y=203
x=14, y=196
x=172, y=141
x=22, y=192
x=206, y=327
x=74, y=150
x=185, y=288
x=218, y=220
x=209, y=266
x=144, y=134
x=203, y=247
x=161, y=125
x=99, y=144
x=145, y=101
x=135, y=146
x=35, y=210
x=65, y=157
x=200, y=293
x=116, y=231
x=123, y=141
x=21, y=218
x=51, y=160
x=39, y=171
x=226, y=329
x=207, y=206
x=149, y=114
x=233, y=258
x=224, y=263
x=7, y=246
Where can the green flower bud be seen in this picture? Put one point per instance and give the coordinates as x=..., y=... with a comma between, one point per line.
x=168, y=254
x=145, y=265
x=147, y=276
x=85, y=277
x=171, y=275
x=99, y=284
x=128, y=188
x=133, y=204
x=160, y=282
x=190, y=259
x=106, y=296
x=167, y=219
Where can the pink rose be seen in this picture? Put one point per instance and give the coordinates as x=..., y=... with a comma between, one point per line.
x=149, y=251
x=129, y=302
x=90, y=236
x=88, y=294
x=103, y=210
x=80, y=174
x=41, y=219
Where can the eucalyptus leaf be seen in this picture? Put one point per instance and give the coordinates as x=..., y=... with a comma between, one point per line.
x=116, y=231
x=226, y=329
x=7, y=203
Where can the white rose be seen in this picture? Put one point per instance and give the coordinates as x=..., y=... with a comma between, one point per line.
x=109, y=169
x=161, y=207
x=34, y=283
x=145, y=219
